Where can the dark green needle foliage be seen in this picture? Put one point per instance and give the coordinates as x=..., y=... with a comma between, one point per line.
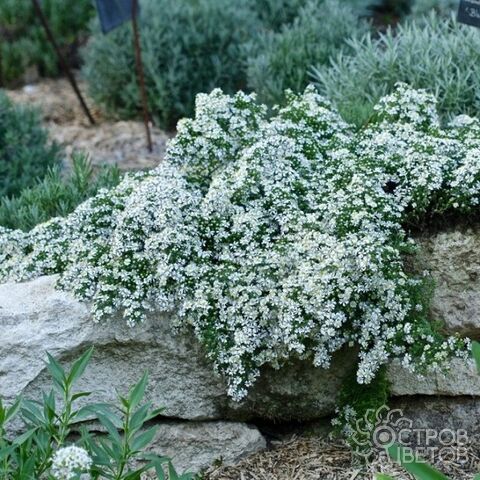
x=56, y=194
x=26, y=155
x=23, y=43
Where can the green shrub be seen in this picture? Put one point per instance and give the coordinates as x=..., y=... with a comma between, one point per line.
x=188, y=47
x=280, y=60
x=23, y=42
x=434, y=53
x=25, y=153
x=45, y=450
x=443, y=7
x=55, y=195
x=275, y=13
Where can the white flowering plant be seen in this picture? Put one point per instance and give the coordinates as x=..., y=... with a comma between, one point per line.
x=272, y=237
x=45, y=450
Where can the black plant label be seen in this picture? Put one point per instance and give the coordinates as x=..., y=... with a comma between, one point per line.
x=469, y=12
x=112, y=13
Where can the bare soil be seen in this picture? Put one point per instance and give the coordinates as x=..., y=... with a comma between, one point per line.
x=108, y=142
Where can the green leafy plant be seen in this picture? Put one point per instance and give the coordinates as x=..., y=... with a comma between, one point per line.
x=56, y=194
x=23, y=43
x=274, y=14
x=46, y=451
x=187, y=47
x=443, y=7
x=25, y=152
x=446, y=50
x=279, y=60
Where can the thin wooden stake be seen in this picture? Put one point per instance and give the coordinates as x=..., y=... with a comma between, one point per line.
x=63, y=63
x=140, y=73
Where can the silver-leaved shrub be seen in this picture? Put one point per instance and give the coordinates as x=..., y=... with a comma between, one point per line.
x=272, y=238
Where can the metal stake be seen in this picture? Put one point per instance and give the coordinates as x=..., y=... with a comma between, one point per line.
x=63, y=63
x=140, y=73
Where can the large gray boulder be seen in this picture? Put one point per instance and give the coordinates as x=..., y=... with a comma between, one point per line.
x=35, y=317
x=194, y=446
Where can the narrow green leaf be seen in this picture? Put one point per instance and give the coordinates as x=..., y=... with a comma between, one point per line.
x=138, y=391
x=172, y=473
x=159, y=470
x=476, y=354
x=57, y=373
x=25, y=436
x=110, y=427
x=155, y=413
x=139, y=417
x=13, y=409
x=421, y=471
x=78, y=395
x=382, y=476
x=143, y=439
x=79, y=366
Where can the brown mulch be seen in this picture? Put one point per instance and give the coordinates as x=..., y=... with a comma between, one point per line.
x=315, y=458
x=108, y=142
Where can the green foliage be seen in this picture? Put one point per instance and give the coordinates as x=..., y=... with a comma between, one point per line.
x=25, y=153
x=187, y=47
x=280, y=60
x=434, y=53
x=275, y=13
x=443, y=7
x=23, y=42
x=359, y=404
x=49, y=423
x=54, y=195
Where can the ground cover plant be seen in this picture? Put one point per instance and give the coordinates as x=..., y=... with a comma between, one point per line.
x=56, y=195
x=45, y=450
x=434, y=52
x=272, y=238
x=23, y=43
x=26, y=155
x=188, y=47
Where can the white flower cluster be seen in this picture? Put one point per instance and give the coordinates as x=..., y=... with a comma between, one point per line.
x=271, y=238
x=70, y=462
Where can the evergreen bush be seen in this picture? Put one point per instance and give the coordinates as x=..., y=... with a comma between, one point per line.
x=432, y=52
x=56, y=194
x=25, y=152
x=187, y=47
x=23, y=43
x=278, y=61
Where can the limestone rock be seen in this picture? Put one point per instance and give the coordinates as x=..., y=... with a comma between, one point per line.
x=460, y=379
x=194, y=446
x=34, y=318
x=453, y=259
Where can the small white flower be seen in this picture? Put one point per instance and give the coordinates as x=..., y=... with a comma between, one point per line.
x=70, y=461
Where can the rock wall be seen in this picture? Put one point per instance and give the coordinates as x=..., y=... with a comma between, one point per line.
x=200, y=420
